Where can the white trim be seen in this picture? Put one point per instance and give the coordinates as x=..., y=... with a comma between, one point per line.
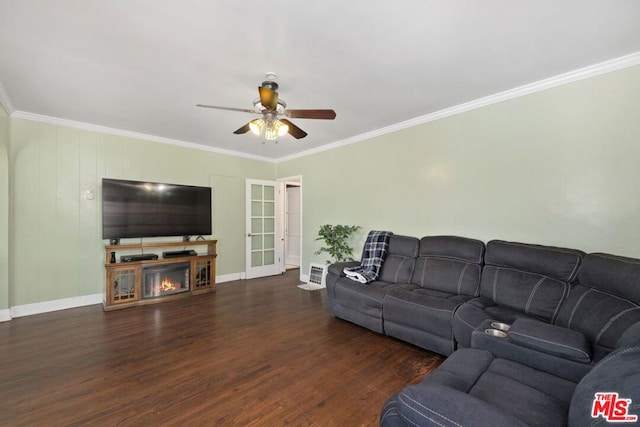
x=75, y=302
x=304, y=277
x=129, y=134
x=559, y=80
x=230, y=277
x=295, y=179
x=6, y=103
x=55, y=305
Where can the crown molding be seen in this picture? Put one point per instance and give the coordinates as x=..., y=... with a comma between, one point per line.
x=5, y=100
x=136, y=135
x=559, y=80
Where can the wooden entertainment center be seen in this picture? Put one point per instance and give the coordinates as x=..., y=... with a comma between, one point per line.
x=151, y=281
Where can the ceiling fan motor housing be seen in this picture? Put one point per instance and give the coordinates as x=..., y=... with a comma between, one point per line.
x=270, y=85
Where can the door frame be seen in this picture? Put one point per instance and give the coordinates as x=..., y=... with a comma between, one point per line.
x=295, y=179
x=275, y=268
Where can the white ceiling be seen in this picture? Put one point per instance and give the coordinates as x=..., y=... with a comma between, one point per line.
x=142, y=65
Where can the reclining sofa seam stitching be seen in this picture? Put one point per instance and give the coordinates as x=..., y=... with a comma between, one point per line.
x=575, y=307
x=565, y=294
x=610, y=322
x=430, y=410
x=531, y=295
x=464, y=269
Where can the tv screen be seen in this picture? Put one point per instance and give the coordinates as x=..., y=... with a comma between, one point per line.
x=151, y=209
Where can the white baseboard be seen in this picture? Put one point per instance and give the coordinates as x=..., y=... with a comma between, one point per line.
x=59, y=304
x=230, y=277
x=304, y=277
x=66, y=303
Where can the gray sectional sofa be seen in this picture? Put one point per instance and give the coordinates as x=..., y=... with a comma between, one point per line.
x=571, y=323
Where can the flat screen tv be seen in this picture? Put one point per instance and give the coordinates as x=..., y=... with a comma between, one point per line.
x=152, y=209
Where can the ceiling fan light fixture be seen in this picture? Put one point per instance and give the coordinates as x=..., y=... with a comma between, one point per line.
x=281, y=128
x=270, y=133
x=256, y=126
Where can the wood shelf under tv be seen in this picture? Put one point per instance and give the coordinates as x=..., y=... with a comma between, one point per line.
x=124, y=280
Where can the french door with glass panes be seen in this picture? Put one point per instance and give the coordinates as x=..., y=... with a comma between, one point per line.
x=263, y=235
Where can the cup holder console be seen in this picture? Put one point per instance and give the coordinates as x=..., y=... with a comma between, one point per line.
x=495, y=333
x=500, y=326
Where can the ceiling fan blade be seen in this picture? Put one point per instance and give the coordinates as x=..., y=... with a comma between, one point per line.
x=311, y=114
x=243, y=110
x=268, y=98
x=243, y=129
x=294, y=130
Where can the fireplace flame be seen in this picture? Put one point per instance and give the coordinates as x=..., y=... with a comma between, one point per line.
x=167, y=285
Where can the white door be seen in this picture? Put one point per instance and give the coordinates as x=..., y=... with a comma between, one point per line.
x=263, y=256
x=292, y=258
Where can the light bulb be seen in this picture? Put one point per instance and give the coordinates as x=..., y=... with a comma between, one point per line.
x=256, y=126
x=270, y=133
x=282, y=128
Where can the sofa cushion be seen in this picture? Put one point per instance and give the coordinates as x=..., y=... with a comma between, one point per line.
x=602, y=317
x=613, y=274
x=550, y=339
x=472, y=387
x=449, y=264
x=421, y=316
x=447, y=275
x=533, y=294
x=452, y=247
x=556, y=263
x=399, y=262
x=361, y=303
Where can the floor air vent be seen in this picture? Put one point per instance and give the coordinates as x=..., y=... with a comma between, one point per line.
x=317, y=276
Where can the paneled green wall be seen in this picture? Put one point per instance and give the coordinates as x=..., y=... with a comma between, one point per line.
x=556, y=167
x=4, y=210
x=57, y=247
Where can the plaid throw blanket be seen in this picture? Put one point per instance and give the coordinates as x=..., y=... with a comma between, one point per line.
x=375, y=248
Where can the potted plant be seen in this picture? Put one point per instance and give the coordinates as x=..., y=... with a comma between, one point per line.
x=335, y=241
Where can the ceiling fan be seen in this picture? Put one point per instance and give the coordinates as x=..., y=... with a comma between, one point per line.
x=272, y=108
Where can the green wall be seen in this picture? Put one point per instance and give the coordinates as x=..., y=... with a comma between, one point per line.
x=57, y=247
x=557, y=167
x=4, y=210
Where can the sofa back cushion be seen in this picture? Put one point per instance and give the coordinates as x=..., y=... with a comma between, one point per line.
x=604, y=305
x=449, y=264
x=528, y=278
x=555, y=263
x=400, y=260
x=612, y=274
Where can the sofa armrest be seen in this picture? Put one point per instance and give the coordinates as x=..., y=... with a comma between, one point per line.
x=537, y=358
x=437, y=405
x=338, y=267
x=550, y=339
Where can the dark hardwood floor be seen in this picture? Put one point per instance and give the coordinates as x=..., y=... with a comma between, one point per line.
x=256, y=352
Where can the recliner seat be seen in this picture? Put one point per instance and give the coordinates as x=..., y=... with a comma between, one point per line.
x=362, y=303
x=447, y=274
x=518, y=281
